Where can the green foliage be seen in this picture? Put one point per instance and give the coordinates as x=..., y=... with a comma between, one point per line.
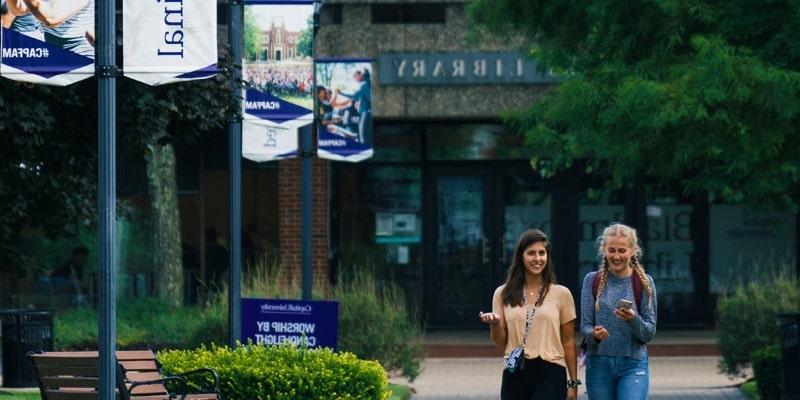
x=306, y=39
x=48, y=148
x=768, y=370
x=283, y=372
x=664, y=89
x=375, y=323
x=747, y=318
x=400, y=392
x=252, y=35
x=749, y=389
x=20, y=395
x=150, y=322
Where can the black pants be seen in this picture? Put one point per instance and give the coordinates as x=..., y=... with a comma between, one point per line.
x=540, y=380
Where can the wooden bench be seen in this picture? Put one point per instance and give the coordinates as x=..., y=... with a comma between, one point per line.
x=74, y=375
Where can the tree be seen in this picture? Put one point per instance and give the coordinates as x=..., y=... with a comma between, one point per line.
x=306, y=38
x=253, y=46
x=48, y=163
x=703, y=94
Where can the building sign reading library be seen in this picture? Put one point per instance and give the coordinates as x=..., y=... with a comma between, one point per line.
x=485, y=68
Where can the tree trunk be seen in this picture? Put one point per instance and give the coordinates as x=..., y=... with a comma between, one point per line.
x=165, y=223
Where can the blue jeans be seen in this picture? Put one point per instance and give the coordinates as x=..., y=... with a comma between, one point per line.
x=617, y=378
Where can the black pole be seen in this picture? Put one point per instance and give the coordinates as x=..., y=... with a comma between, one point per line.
x=235, y=39
x=307, y=169
x=107, y=196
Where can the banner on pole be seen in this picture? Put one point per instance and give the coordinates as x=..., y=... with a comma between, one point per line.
x=170, y=41
x=277, y=69
x=48, y=42
x=344, y=104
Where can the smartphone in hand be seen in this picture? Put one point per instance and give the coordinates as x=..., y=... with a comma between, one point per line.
x=623, y=304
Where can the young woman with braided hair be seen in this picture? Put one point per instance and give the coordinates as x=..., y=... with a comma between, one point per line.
x=533, y=313
x=618, y=317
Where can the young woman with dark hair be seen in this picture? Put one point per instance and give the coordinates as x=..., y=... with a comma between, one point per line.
x=530, y=310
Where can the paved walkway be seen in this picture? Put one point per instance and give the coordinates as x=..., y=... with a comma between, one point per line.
x=479, y=379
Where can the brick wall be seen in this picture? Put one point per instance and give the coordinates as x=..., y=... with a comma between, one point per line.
x=290, y=220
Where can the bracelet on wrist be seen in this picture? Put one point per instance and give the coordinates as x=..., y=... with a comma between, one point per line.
x=573, y=383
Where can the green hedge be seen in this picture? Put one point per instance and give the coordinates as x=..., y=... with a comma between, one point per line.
x=768, y=370
x=747, y=318
x=284, y=372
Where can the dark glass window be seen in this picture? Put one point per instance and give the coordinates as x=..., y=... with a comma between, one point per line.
x=417, y=13
x=331, y=14
x=397, y=142
x=474, y=142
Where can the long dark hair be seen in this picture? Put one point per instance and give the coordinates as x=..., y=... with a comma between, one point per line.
x=515, y=279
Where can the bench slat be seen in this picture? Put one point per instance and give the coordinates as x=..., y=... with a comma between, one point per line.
x=69, y=381
x=148, y=389
x=142, y=376
x=46, y=370
x=139, y=365
x=75, y=395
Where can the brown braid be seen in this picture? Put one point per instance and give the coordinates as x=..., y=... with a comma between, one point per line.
x=639, y=270
x=603, y=271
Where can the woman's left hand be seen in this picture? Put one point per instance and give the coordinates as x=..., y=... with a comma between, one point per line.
x=625, y=314
x=572, y=394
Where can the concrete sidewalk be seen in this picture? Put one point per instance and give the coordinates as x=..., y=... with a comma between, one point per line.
x=476, y=343
x=479, y=379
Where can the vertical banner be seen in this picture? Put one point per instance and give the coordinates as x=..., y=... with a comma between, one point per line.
x=344, y=98
x=277, y=69
x=169, y=41
x=48, y=42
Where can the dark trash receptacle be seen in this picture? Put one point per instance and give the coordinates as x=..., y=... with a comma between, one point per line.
x=24, y=331
x=790, y=350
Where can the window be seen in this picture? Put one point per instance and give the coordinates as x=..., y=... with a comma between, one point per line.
x=331, y=14
x=417, y=13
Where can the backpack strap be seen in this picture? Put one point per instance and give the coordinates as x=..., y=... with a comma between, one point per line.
x=636, y=283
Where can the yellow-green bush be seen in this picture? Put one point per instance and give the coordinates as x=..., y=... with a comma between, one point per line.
x=284, y=372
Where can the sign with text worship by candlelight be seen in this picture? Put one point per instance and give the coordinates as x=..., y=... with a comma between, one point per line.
x=48, y=42
x=301, y=323
x=166, y=41
x=277, y=70
x=344, y=104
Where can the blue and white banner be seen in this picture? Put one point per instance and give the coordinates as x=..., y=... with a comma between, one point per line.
x=344, y=98
x=169, y=41
x=301, y=323
x=48, y=42
x=278, y=70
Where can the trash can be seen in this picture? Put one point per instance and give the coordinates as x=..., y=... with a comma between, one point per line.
x=790, y=350
x=23, y=331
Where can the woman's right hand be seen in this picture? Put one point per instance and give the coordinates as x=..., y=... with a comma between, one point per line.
x=489, y=318
x=599, y=333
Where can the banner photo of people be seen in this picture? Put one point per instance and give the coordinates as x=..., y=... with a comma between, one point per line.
x=169, y=42
x=277, y=69
x=344, y=104
x=47, y=42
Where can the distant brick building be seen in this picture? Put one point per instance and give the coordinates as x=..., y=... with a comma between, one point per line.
x=278, y=43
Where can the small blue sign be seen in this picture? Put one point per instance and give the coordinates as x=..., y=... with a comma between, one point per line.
x=273, y=322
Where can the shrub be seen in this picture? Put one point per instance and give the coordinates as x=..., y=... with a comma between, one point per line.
x=284, y=372
x=768, y=369
x=747, y=318
x=376, y=324
x=147, y=321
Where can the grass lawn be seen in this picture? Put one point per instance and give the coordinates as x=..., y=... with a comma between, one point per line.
x=749, y=389
x=19, y=395
x=400, y=392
